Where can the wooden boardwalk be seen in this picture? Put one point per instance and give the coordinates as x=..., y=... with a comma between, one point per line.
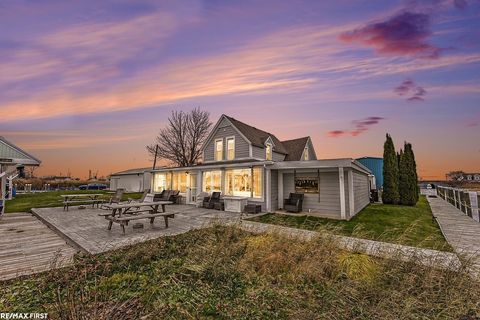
x=87, y=231
x=460, y=231
x=28, y=246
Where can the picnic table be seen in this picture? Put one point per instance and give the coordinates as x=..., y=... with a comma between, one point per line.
x=93, y=198
x=122, y=213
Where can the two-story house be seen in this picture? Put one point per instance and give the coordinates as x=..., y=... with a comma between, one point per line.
x=242, y=161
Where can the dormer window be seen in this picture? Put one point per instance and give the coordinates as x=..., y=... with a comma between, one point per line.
x=305, y=154
x=219, y=150
x=231, y=148
x=268, y=152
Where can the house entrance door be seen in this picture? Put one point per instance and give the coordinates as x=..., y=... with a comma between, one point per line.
x=192, y=189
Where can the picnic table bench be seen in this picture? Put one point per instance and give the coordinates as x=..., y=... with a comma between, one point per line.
x=122, y=213
x=93, y=198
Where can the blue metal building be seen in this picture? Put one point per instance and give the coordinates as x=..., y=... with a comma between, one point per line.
x=376, y=166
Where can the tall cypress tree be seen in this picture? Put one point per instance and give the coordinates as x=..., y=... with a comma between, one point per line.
x=404, y=177
x=413, y=176
x=390, y=173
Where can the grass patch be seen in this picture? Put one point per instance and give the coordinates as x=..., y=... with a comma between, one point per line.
x=225, y=273
x=412, y=226
x=25, y=202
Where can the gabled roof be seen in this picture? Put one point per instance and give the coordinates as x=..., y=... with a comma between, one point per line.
x=256, y=136
x=295, y=148
x=11, y=153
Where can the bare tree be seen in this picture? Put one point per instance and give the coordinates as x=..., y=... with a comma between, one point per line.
x=180, y=142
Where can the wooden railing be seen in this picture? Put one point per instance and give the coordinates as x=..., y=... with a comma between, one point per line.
x=465, y=200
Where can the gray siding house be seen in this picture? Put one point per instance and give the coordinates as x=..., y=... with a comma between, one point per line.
x=250, y=164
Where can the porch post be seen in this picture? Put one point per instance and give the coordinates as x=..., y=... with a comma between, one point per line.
x=2, y=191
x=268, y=190
x=351, y=199
x=341, y=181
x=280, y=189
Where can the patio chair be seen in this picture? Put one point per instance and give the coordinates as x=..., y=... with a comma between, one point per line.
x=142, y=198
x=209, y=202
x=174, y=195
x=117, y=197
x=200, y=197
x=293, y=203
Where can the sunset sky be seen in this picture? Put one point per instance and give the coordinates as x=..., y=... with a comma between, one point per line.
x=87, y=84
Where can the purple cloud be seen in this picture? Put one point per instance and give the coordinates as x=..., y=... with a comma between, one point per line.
x=410, y=88
x=358, y=127
x=404, y=34
x=460, y=4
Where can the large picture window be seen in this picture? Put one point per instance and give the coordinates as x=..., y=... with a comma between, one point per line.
x=306, y=185
x=212, y=181
x=241, y=183
x=179, y=181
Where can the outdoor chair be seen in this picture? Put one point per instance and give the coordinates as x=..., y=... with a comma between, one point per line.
x=293, y=203
x=209, y=202
x=117, y=197
x=174, y=196
x=142, y=198
x=199, y=198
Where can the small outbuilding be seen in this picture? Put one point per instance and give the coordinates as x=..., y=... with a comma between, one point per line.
x=132, y=180
x=12, y=163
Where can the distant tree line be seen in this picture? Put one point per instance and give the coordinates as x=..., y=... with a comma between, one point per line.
x=400, y=179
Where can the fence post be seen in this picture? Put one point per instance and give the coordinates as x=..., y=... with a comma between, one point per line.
x=474, y=204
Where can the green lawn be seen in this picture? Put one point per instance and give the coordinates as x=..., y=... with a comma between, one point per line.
x=225, y=273
x=406, y=225
x=25, y=202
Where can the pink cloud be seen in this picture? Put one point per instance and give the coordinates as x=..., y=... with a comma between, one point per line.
x=409, y=87
x=404, y=34
x=358, y=127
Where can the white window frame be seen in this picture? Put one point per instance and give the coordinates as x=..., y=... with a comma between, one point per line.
x=266, y=151
x=305, y=154
x=215, y=150
x=232, y=138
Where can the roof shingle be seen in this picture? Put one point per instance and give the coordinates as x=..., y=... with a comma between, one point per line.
x=256, y=136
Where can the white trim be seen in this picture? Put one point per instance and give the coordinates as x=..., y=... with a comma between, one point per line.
x=280, y=189
x=351, y=195
x=268, y=196
x=341, y=181
x=226, y=146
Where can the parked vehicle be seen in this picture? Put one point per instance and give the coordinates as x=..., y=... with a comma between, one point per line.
x=93, y=186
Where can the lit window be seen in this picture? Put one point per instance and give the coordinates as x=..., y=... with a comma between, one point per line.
x=212, y=181
x=179, y=181
x=239, y=182
x=305, y=154
x=160, y=182
x=230, y=148
x=218, y=150
x=268, y=151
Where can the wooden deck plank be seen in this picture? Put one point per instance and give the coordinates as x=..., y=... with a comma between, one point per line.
x=28, y=246
x=460, y=231
x=87, y=230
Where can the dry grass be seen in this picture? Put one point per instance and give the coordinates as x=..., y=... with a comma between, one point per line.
x=225, y=273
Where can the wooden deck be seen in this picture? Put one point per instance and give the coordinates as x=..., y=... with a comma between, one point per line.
x=87, y=231
x=28, y=246
x=460, y=231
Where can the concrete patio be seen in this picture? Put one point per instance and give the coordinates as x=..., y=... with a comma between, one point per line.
x=85, y=230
